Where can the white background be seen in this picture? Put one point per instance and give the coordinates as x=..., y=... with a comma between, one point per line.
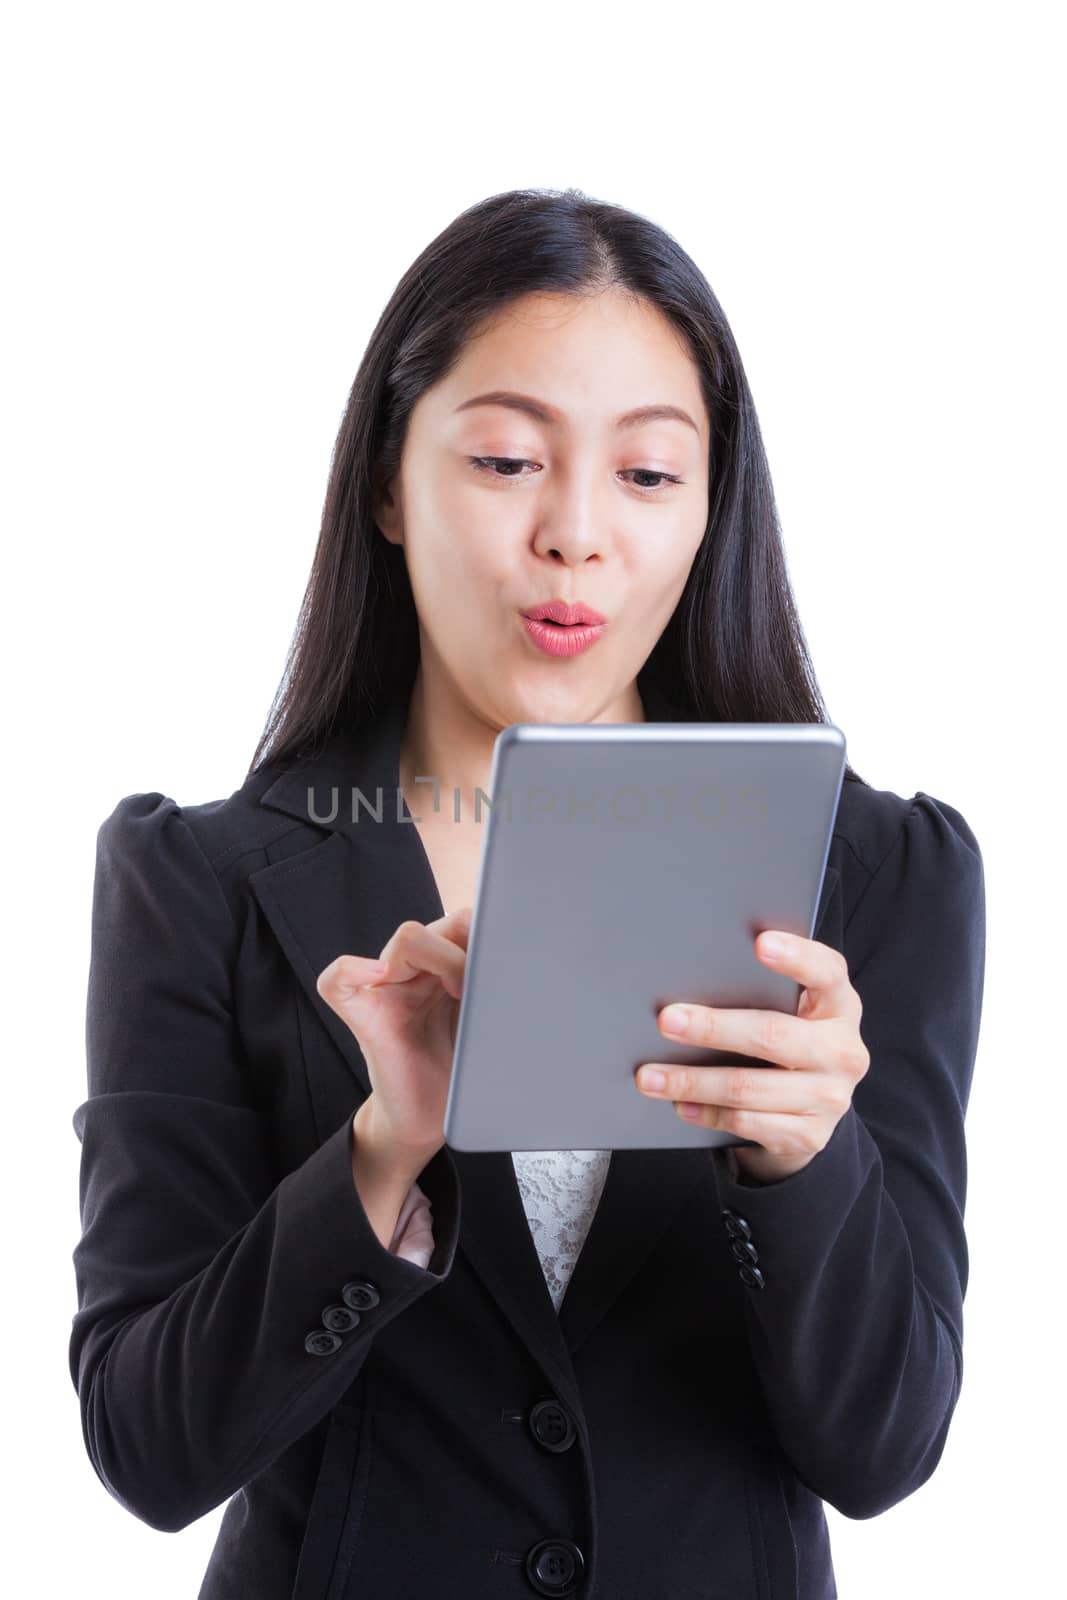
x=207, y=207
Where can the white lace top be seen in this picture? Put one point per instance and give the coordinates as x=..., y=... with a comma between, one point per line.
x=560, y=1191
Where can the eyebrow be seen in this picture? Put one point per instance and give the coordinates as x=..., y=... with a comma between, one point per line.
x=549, y=415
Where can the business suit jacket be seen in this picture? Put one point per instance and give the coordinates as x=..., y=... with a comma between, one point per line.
x=727, y=1357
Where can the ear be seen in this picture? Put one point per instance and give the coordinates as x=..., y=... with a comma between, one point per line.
x=386, y=511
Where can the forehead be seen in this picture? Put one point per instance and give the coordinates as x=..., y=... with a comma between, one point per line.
x=588, y=358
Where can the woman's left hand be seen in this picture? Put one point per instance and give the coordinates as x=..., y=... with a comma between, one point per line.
x=790, y=1113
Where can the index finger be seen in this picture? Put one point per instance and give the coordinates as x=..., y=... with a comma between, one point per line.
x=417, y=948
x=456, y=925
x=819, y=967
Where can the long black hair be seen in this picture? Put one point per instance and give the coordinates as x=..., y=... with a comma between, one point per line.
x=733, y=651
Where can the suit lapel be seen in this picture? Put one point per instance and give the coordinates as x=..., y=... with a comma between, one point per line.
x=347, y=894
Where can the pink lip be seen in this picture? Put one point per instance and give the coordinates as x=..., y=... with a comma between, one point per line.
x=561, y=641
x=559, y=611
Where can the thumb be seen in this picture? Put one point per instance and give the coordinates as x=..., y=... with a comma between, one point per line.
x=347, y=978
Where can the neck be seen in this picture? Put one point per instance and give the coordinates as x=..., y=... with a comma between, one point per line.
x=447, y=742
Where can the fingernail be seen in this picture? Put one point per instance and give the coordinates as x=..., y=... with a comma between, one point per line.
x=675, y=1019
x=653, y=1078
x=772, y=947
x=689, y=1111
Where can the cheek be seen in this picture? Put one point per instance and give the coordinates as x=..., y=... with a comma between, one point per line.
x=461, y=569
x=677, y=557
x=658, y=568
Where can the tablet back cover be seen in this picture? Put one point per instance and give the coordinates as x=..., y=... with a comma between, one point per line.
x=625, y=866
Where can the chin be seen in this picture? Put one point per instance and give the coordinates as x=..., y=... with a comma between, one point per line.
x=558, y=704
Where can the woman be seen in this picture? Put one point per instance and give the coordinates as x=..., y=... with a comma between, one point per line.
x=291, y=1291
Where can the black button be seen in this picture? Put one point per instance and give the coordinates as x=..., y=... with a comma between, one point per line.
x=752, y=1276
x=551, y=1426
x=555, y=1566
x=737, y=1227
x=321, y=1343
x=740, y=1249
x=359, y=1294
x=339, y=1318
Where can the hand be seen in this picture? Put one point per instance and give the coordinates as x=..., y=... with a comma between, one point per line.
x=790, y=1113
x=403, y=1010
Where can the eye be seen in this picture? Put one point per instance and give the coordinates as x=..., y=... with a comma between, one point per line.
x=651, y=472
x=490, y=463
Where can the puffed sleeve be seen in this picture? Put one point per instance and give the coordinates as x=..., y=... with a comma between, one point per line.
x=223, y=1309
x=857, y=1328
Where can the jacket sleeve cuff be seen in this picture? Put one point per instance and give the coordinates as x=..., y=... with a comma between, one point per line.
x=811, y=1203
x=324, y=1186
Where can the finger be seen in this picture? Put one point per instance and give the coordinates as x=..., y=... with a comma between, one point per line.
x=445, y=957
x=344, y=980
x=759, y=1089
x=783, y=1135
x=348, y=972
x=819, y=967
x=773, y=1036
x=455, y=926
x=414, y=949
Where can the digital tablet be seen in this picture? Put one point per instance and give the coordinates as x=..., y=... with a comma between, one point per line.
x=625, y=866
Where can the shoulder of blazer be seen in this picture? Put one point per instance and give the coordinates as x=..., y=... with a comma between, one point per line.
x=867, y=823
x=285, y=807
x=232, y=829
x=870, y=822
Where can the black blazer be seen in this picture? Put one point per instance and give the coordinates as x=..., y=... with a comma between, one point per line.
x=381, y=1430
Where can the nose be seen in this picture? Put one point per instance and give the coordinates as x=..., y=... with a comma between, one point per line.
x=571, y=540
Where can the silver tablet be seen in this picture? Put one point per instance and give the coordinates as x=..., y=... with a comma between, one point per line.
x=623, y=866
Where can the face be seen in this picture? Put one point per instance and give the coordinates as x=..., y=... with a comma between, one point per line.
x=499, y=510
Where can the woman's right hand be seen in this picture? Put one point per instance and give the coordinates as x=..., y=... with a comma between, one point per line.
x=403, y=1010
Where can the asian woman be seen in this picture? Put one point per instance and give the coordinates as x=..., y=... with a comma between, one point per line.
x=411, y=1370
